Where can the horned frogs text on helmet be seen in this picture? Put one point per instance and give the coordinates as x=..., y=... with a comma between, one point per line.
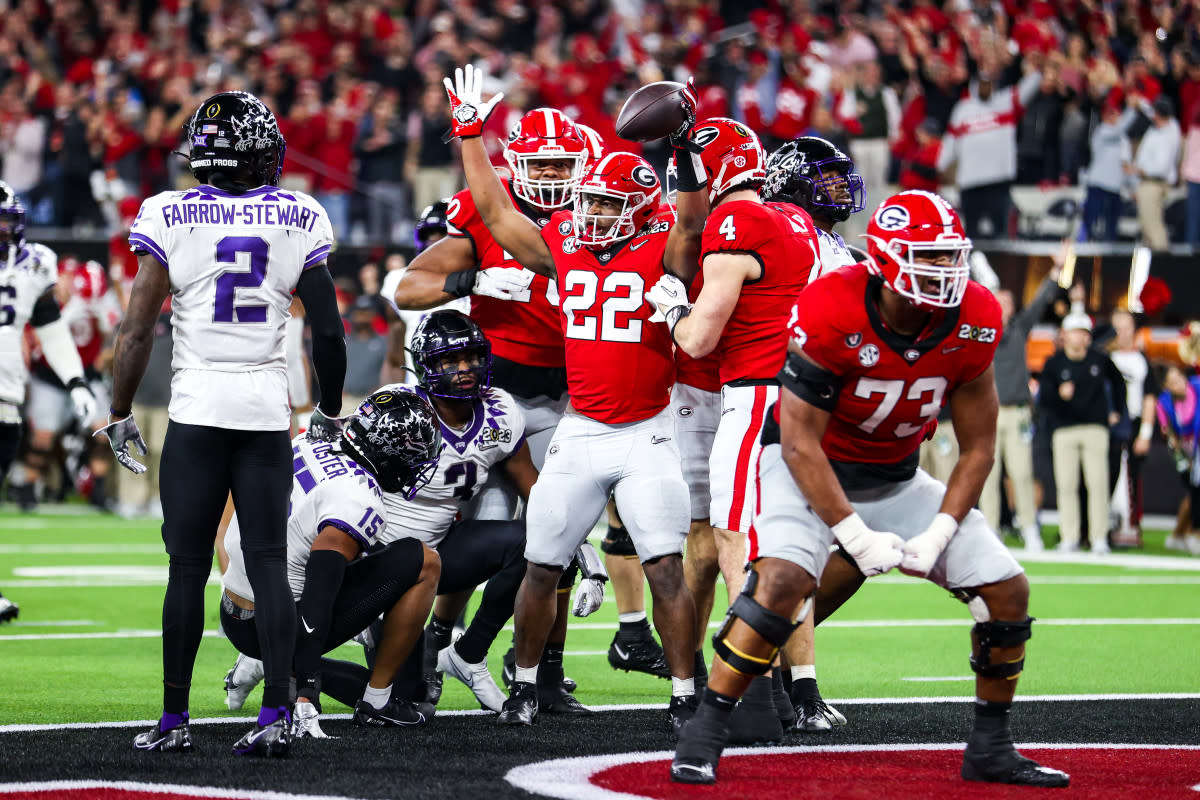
x=397, y=437
x=432, y=221
x=815, y=175
x=907, y=235
x=441, y=342
x=236, y=143
x=12, y=223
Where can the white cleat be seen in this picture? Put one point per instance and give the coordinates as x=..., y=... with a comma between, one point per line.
x=241, y=679
x=475, y=676
x=1032, y=537
x=306, y=721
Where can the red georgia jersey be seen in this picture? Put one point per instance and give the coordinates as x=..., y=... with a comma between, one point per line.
x=891, y=388
x=702, y=373
x=783, y=239
x=619, y=363
x=524, y=329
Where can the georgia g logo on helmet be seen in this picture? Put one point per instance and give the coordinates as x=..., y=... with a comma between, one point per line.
x=644, y=176
x=892, y=218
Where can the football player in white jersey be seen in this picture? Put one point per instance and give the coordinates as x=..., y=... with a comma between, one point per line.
x=230, y=252
x=27, y=275
x=484, y=433
x=814, y=174
x=390, y=444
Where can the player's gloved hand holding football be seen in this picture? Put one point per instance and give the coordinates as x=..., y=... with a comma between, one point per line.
x=121, y=433
x=923, y=550
x=666, y=296
x=875, y=552
x=323, y=428
x=468, y=112
x=588, y=597
x=681, y=138
x=83, y=401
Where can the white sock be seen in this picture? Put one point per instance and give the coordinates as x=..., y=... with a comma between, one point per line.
x=378, y=698
x=682, y=687
x=804, y=671
x=526, y=674
x=632, y=616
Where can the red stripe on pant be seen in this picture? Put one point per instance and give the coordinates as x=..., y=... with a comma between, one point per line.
x=752, y=553
x=743, y=460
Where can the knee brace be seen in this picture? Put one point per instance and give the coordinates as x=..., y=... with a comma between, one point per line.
x=617, y=542
x=995, y=633
x=772, y=627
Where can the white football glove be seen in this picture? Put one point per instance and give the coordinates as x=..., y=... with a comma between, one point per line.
x=922, y=551
x=875, y=552
x=83, y=401
x=502, y=283
x=121, y=434
x=668, y=293
x=468, y=112
x=588, y=597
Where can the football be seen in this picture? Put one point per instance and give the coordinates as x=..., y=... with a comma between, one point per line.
x=652, y=112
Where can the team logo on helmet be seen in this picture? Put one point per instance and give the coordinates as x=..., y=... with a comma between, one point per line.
x=868, y=355
x=213, y=110
x=644, y=176
x=892, y=218
x=705, y=136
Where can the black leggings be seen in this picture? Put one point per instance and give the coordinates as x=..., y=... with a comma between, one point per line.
x=200, y=466
x=371, y=586
x=10, y=440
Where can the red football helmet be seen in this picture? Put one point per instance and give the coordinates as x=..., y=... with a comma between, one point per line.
x=88, y=280
x=596, y=149
x=907, y=234
x=626, y=178
x=545, y=134
x=733, y=156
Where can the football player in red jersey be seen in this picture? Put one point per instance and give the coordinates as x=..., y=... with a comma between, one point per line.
x=874, y=351
x=617, y=434
x=756, y=257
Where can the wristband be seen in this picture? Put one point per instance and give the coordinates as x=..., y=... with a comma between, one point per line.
x=78, y=382
x=112, y=412
x=1146, y=431
x=461, y=284
x=690, y=173
x=849, y=529
x=673, y=315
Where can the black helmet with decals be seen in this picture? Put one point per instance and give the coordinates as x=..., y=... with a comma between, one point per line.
x=442, y=344
x=236, y=143
x=814, y=174
x=395, y=435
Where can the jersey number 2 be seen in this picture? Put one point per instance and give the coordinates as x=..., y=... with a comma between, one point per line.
x=935, y=387
x=246, y=274
x=624, y=290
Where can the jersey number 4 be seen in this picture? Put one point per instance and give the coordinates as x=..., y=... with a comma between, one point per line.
x=620, y=294
x=248, y=255
x=892, y=391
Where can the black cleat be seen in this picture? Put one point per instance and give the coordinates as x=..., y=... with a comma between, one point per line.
x=521, y=707
x=175, y=740
x=783, y=703
x=681, y=710
x=396, y=714
x=8, y=609
x=508, y=673
x=637, y=651
x=558, y=700
x=700, y=744
x=271, y=741
x=754, y=719
x=433, y=687
x=1011, y=767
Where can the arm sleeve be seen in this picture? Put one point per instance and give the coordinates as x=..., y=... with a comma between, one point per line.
x=323, y=576
x=316, y=291
x=59, y=350
x=45, y=310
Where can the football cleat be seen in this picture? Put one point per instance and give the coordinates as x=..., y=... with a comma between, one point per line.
x=396, y=714
x=174, y=740
x=814, y=715
x=638, y=652
x=754, y=719
x=508, y=673
x=267, y=741
x=681, y=710
x=243, y=676
x=8, y=609
x=701, y=741
x=475, y=676
x=433, y=686
x=557, y=700
x=521, y=707
x=306, y=722
x=1011, y=767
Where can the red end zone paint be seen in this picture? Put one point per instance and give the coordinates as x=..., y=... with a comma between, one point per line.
x=1096, y=774
x=132, y=790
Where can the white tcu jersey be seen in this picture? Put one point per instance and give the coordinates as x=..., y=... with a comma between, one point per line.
x=233, y=261
x=495, y=432
x=328, y=488
x=834, y=255
x=32, y=272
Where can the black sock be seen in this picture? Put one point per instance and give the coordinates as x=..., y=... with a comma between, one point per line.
x=641, y=627
x=550, y=670
x=760, y=692
x=699, y=666
x=175, y=698
x=805, y=690
x=473, y=645
x=991, y=715
x=437, y=635
x=720, y=702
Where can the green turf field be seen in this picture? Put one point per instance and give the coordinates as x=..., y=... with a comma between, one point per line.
x=86, y=645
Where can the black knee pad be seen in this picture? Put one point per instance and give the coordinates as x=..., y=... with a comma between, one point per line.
x=772, y=627
x=617, y=542
x=995, y=633
x=568, y=577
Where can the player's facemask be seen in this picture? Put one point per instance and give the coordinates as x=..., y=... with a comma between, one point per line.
x=933, y=274
x=601, y=230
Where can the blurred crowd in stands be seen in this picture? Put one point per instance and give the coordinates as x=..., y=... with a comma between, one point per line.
x=94, y=93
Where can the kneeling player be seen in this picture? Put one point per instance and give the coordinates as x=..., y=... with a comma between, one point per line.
x=389, y=445
x=875, y=350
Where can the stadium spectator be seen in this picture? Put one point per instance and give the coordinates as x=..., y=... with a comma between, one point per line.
x=1125, y=457
x=381, y=147
x=1041, y=123
x=877, y=112
x=431, y=162
x=1014, y=434
x=1180, y=423
x=1189, y=170
x=1075, y=389
x=22, y=140
x=365, y=350
x=1107, y=176
x=1156, y=167
x=918, y=166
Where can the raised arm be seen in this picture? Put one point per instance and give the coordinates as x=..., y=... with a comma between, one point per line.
x=515, y=232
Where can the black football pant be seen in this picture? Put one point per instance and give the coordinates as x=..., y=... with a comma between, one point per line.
x=371, y=586
x=474, y=551
x=10, y=441
x=200, y=466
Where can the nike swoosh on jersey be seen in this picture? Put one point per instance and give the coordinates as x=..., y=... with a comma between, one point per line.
x=633, y=247
x=307, y=627
x=947, y=350
x=659, y=439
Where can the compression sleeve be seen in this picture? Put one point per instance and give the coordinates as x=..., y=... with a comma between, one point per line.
x=317, y=292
